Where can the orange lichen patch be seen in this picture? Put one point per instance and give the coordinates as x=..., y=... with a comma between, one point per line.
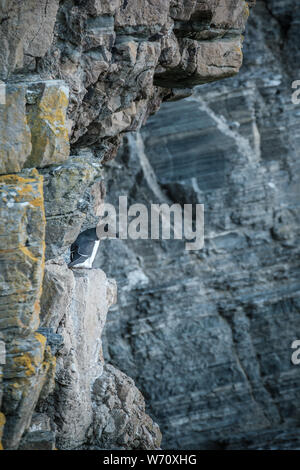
x=49, y=361
x=2, y=419
x=27, y=189
x=36, y=198
x=38, y=202
x=35, y=173
x=23, y=253
x=247, y=9
x=2, y=423
x=52, y=110
x=28, y=253
x=238, y=49
x=14, y=179
x=11, y=250
x=25, y=361
x=41, y=339
x=37, y=307
x=49, y=131
x=20, y=180
x=15, y=385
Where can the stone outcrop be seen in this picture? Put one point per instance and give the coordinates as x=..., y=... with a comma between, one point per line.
x=78, y=75
x=74, y=307
x=111, y=54
x=27, y=362
x=22, y=250
x=26, y=32
x=120, y=421
x=73, y=193
x=33, y=126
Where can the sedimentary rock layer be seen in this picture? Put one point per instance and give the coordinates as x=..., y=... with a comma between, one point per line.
x=84, y=72
x=208, y=335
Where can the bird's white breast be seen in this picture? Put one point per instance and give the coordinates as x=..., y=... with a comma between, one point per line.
x=94, y=252
x=88, y=263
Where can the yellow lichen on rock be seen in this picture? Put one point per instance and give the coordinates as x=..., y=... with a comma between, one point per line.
x=28, y=375
x=21, y=250
x=47, y=121
x=33, y=127
x=39, y=110
x=15, y=136
x=41, y=338
x=29, y=367
x=2, y=423
x=24, y=361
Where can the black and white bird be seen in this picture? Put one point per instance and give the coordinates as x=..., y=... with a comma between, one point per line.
x=84, y=249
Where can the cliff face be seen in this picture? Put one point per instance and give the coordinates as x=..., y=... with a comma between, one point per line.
x=207, y=336
x=77, y=75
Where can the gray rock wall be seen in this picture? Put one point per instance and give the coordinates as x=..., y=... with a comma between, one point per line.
x=78, y=75
x=207, y=335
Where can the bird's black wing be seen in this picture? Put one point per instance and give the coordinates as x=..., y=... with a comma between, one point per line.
x=86, y=248
x=74, y=250
x=81, y=252
x=83, y=247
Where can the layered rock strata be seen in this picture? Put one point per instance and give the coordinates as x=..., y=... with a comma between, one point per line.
x=207, y=335
x=81, y=73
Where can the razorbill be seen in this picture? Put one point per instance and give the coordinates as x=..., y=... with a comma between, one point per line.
x=84, y=249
